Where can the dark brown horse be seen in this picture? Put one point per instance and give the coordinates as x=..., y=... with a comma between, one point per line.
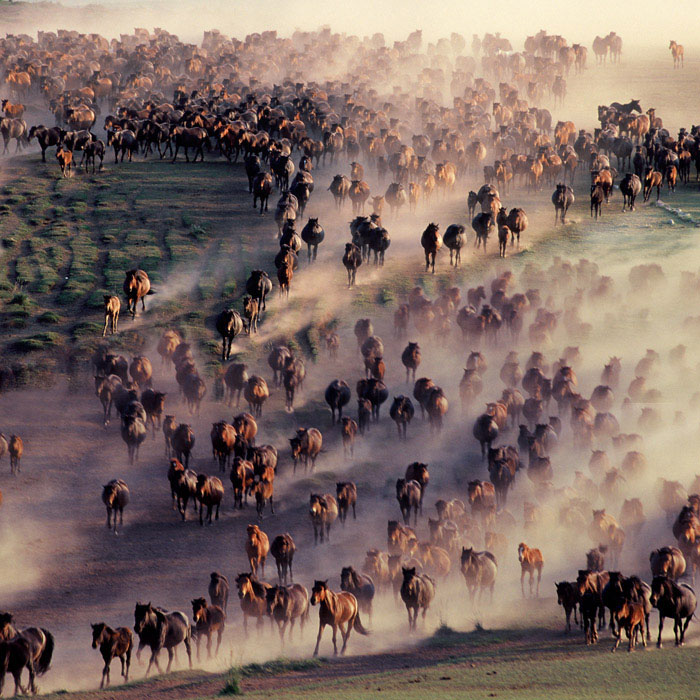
x=115, y=496
x=431, y=240
x=136, y=287
x=113, y=643
x=159, y=629
x=361, y=586
x=338, y=610
x=283, y=549
x=417, y=592
x=39, y=641
x=346, y=493
x=218, y=590
x=15, y=656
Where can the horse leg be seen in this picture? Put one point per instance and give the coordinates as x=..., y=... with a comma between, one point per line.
x=539, y=578
x=522, y=582
x=105, y=674
x=171, y=655
x=683, y=628
x=661, y=626
x=321, y=625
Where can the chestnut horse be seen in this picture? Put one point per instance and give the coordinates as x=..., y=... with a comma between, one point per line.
x=136, y=287
x=253, y=597
x=113, y=643
x=531, y=560
x=207, y=620
x=257, y=547
x=338, y=610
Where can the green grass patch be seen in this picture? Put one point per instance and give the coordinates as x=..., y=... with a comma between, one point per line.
x=49, y=318
x=277, y=666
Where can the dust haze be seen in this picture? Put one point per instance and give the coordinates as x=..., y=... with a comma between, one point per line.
x=65, y=570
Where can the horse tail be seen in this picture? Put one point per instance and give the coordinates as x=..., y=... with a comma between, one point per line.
x=357, y=626
x=44, y=661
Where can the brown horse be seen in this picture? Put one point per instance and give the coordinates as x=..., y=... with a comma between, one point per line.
x=113, y=643
x=136, y=287
x=242, y=480
x=431, y=240
x=257, y=547
x=631, y=618
x=400, y=539
x=360, y=585
x=16, y=449
x=218, y=590
x=568, y=598
x=115, y=496
x=37, y=641
x=253, y=597
x=531, y=560
x=112, y=306
x=417, y=592
x=678, y=53
x=323, y=510
x=210, y=493
x=283, y=549
x=207, y=620
x=408, y=494
x=667, y=561
x=159, y=629
x=346, y=493
x=183, y=487
x=338, y=610
x=286, y=605
x=479, y=570
x=15, y=656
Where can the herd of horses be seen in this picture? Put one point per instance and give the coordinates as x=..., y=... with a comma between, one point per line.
x=427, y=150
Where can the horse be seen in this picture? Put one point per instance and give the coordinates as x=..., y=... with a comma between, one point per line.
x=338, y=610
x=531, y=560
x=210, y=493
x=257, y=547
x=136, y=287
x=590, y=586
x=408, y=494
x=678, y=54
x=283, y=549
x=113, y=643
x=361, y=586
x=479, y=570
x=676, y=601
x=323, y=510
x=229, y=324
x=207, y=620
x=115, y=496
x=568, y=597
x=286, y=604
x=431, y=240
x=159, y=629
x=16, y=655
x=253, y=596
x=218, y=590
x=630, y=617
x=346, y=493
x=417, y=592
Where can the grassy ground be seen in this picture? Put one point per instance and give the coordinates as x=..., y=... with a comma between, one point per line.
x=478, y=664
